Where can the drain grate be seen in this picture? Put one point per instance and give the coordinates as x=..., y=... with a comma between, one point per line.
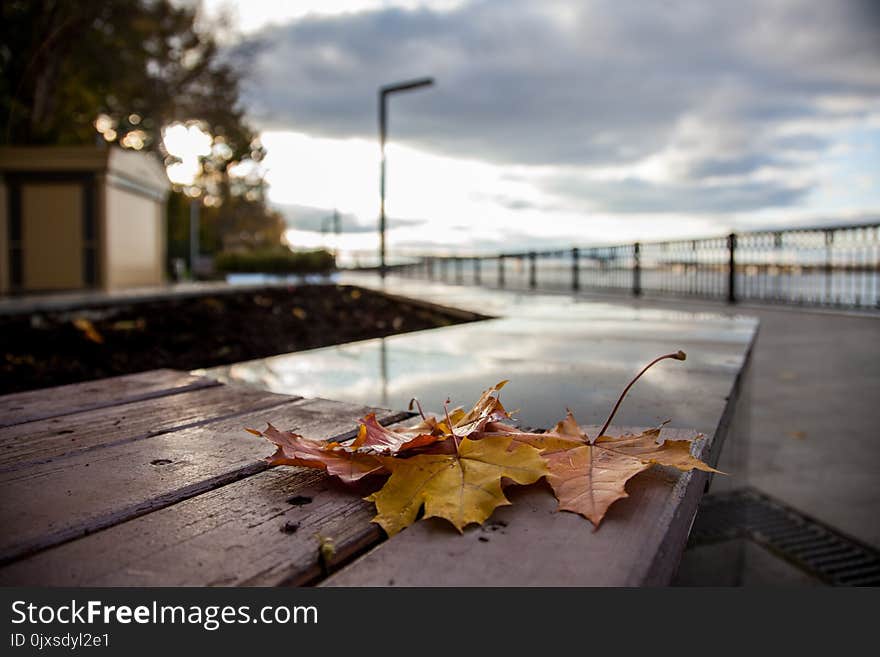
x=803, y=541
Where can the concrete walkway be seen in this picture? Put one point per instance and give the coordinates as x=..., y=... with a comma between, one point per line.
x=815, y=442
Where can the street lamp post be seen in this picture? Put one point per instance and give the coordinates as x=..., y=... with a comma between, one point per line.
x=384, y=92
x=195, y=207
x=337, y=229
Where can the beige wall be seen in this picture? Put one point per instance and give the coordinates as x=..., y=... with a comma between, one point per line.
x=4, y=240
x=51, y=232
x=129, y=216
x=134, y=239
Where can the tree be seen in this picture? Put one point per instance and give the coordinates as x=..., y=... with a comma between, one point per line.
x=127, y=69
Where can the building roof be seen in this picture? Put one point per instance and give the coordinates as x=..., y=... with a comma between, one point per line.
x=121, y=165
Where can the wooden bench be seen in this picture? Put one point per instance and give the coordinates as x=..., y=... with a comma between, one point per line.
x=150, y=480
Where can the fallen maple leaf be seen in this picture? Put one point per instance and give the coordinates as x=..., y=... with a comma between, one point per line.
x=294, y=449
x=487, y=409
x=432, y=425
x=589, y=478
x=348, y=462
x=87, y=328
x=463, y=488
x=373, y=437
x=458, y=423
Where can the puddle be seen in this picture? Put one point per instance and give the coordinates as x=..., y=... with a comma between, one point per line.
x=578, y=355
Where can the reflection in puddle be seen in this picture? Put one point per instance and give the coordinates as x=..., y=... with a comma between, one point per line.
x=557, y=354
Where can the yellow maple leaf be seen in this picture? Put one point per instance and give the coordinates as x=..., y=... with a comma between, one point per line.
x=463, y=487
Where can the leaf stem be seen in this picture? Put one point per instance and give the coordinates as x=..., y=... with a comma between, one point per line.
x=679, y=355
x=449, y=423
x=415, y=400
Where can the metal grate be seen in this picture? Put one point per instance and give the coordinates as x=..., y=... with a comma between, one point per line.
x=806, y=543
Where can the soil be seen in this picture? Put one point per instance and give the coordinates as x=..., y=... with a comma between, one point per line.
x=54, y=348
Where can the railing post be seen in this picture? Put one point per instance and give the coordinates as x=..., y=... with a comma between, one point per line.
x=501, y=270
x=575, y=269
x=478, y=276
x=829, y=240
x=459, y=274
x=731, y=268
x=637, y=269
x=533, y=274
x=429, y=268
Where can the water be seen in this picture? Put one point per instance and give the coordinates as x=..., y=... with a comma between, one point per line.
x=292, y=279
x=577, y=354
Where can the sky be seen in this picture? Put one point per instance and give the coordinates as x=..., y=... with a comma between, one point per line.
x=559, y=123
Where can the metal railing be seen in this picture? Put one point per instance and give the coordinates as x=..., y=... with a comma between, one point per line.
x=835, y=266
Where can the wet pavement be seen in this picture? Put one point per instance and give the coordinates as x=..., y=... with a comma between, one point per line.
x=578, y=354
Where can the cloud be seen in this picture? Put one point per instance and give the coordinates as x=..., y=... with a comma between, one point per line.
x=632, y=195
x=552, y=82
x=685, y=107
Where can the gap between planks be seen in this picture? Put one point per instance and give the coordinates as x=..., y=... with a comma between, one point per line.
x=43, y=441
x=42, y=404
x=261, y=530
x=129, y=481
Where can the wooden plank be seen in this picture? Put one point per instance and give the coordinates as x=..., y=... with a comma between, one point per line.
x=34, y=405
x=55, y=502
x=23, y=445
x=530, y=543
x=263, y=530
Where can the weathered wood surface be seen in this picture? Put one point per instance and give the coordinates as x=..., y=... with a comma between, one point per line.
x=531, y=543
x=151, y=480
x=34, y=405
x=24, y=445
x=262, y=530
x=50, y=503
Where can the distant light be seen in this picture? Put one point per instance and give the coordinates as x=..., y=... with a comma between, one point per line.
x=183, y=172
x=134, y=139
x=134, y=119
x=246, y=168
x=186, y=141
x=103, y=123
x=222, y=149
x=109, y=135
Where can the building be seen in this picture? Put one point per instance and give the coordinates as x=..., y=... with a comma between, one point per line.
x=80, y=217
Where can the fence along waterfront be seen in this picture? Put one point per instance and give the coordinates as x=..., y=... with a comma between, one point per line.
x=834, y=266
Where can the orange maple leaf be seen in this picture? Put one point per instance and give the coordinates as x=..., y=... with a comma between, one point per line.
x=374, y=438
x=294, y=449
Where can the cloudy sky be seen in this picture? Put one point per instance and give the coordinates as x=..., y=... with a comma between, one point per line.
x=553, y=123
